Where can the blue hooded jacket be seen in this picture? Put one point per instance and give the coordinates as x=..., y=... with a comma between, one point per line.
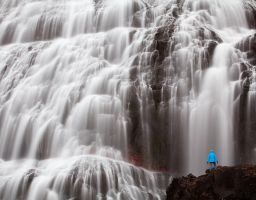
x=212, y=157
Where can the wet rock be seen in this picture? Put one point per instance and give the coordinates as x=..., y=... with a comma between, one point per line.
x=223, y=183
x=246, y=85
x=152, y=62
x=248, y=46
x=210, y=47
x=244, y=67
x=250, y=6
x=247, y=78
x=25, y=183
x=246, y=74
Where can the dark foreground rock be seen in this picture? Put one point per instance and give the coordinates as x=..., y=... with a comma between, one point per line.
x=229, y=183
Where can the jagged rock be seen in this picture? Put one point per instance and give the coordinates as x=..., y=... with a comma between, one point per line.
x=230, y=183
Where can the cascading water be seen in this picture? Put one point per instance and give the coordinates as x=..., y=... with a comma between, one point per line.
x=211, y=117
x=65, y=76
x=91, y=88
x=211, y=113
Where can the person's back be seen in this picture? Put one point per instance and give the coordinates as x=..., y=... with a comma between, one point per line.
x=212, y=159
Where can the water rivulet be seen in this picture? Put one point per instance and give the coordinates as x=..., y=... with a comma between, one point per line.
x=103, y=99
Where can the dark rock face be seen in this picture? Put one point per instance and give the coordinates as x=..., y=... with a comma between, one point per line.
x=152, y=117
x=245, y=120
x=236, y=183
x=156, y=129
x=250, y=6
x=248, y=45
x=156, y=125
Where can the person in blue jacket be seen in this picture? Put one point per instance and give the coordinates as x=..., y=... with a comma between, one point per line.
x=212, y=160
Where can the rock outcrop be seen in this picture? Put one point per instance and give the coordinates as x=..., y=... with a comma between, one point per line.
x=229, y=183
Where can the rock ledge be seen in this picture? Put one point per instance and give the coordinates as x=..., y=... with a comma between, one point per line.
x=229, y=183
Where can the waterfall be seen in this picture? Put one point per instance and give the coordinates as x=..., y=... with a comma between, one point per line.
x=65, y=97
x=108, y=99
x=212, y=109
x=211, y=118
